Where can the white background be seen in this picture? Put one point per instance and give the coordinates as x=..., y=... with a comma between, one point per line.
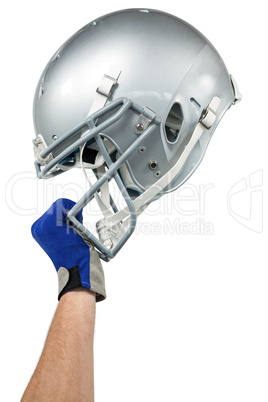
x=186, y=314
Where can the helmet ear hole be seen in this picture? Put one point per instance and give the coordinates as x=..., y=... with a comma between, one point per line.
x=173, y=123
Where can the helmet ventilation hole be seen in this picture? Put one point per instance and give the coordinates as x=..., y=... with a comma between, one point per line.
x=174, y=123
x=195, y=103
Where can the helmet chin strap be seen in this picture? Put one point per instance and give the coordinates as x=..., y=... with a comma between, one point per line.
x=117, y=226
x=113, y=225
x=140, y=203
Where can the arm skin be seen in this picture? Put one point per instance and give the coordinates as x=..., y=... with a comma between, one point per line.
x=65, y=369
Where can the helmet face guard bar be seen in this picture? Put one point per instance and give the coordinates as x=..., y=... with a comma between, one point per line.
x=50, y=170
x=206, y=121
x=112, y=172
x=113, y=224
x=47, y=170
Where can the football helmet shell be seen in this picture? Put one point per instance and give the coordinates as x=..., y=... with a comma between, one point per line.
x=135, y=96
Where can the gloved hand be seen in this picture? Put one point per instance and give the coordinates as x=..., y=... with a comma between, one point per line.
x=76, y=263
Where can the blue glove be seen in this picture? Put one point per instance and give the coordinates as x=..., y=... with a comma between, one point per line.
x=77, y=264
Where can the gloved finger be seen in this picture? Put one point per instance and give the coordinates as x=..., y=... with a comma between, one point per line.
x=66, y=205
x=53, y=217
x=63, y=206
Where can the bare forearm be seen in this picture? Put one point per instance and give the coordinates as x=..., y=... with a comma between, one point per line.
x=65, y=368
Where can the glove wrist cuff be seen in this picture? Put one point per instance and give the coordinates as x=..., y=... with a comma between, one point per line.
x=69, y=279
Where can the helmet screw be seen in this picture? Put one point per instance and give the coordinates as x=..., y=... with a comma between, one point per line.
x=54, y=137
x=153, y=165
x=139, y=127
x=142, y=150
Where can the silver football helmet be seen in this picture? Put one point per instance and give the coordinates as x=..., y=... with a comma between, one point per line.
x=135, y=96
